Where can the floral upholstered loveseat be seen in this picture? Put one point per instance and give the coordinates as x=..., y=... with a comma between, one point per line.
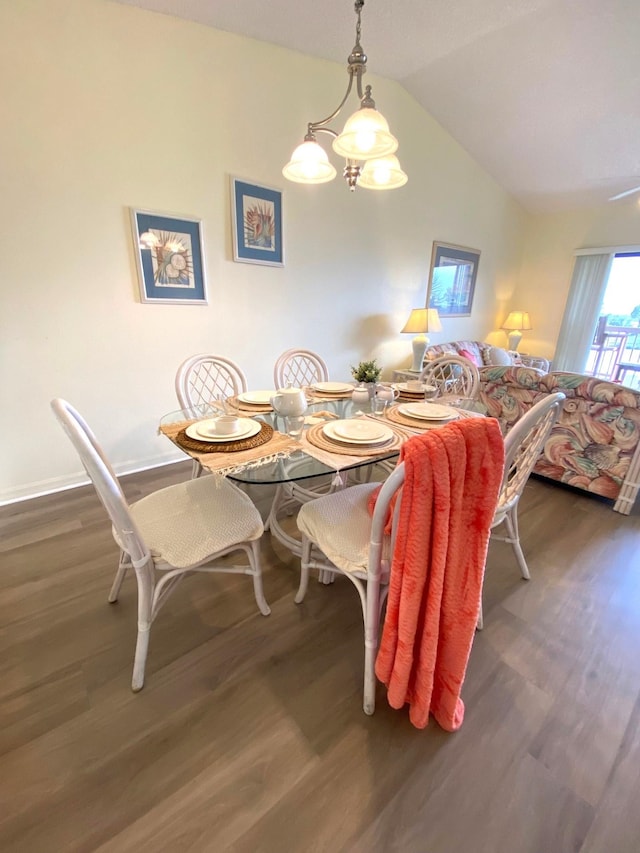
x=485, y=354
x=595, y=444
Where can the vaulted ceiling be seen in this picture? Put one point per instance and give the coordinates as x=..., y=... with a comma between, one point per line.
x=544, y=94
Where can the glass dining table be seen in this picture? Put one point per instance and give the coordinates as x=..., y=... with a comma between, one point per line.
x=300, y=468
x=273, y=468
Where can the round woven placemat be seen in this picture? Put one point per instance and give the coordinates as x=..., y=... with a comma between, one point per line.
x=262, y=437
x=392, y=414
x=408, y=396
x=315, y=436
x=256, y=408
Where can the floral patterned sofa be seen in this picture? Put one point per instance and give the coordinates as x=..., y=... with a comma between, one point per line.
x=480, y=353
x=595, y=444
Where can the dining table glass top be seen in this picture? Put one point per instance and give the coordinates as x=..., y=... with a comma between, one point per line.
x=283, y=458
x=297, y=464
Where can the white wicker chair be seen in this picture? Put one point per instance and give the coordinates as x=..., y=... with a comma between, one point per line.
x=180, y=529
x=452, y=374
x=202, y=379
x=353, y=544
x=299, y=367
x=522, y=446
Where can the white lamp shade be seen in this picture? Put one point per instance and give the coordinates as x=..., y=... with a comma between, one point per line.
x=517, y=320
x=365, y=136
x=382, y=174
x=309, y=164
x=423, y=320
x=515, y=324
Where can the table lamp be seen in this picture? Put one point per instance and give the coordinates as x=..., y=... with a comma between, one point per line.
x=515, y=324
x=421, y=320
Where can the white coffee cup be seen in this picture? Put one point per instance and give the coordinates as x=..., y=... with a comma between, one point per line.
x=415, y=385
x=226, y=424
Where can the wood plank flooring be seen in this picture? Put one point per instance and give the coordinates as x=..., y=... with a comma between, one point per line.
x=249, y=735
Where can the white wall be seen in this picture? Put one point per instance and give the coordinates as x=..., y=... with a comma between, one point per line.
x=108, y=107
x=543, y=284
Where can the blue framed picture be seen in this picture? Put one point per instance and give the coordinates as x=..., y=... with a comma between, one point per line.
x=170, y=258
x=452, y=279
x=257, y=224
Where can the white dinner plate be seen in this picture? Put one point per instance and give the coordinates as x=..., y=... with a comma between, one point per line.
x=428, y=411
x=357, y=431
x=402, y=386
x=332, y=387
x=360, y=429
x=258, y=398
x=203, y=431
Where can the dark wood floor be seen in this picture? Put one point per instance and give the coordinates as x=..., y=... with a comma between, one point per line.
x=249, y=734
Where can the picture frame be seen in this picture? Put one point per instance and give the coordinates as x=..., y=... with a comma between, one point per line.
x=256, y=223
x=169, y=257
x=452, y=279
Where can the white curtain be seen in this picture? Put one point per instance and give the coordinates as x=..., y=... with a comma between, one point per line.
x=588, y=286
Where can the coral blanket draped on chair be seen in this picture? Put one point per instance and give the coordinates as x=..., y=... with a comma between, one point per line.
x=453, y=477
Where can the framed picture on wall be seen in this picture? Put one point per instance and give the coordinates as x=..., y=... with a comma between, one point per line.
x=256, y=214
x=170, y=257
x=452, y=279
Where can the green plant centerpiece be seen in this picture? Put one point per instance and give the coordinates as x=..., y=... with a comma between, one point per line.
x=367, y=372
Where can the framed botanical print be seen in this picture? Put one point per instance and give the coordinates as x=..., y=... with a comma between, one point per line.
x=452, y=279
x=170, y=257
x=256, y=224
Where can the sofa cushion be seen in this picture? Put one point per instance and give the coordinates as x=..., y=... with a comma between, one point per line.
x=499, y=356
x=473, y=358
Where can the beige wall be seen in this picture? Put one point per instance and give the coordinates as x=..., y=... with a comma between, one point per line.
x=107, y=107
x=548, y=260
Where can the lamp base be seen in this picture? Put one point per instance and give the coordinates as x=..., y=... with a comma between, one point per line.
x=514, y=339
x=419, y=344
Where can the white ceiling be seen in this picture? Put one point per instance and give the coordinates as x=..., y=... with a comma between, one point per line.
x=544, y=94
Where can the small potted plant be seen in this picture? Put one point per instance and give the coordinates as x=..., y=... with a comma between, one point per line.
x=367, y=373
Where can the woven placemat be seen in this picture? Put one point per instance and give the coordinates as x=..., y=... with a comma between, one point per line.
x=262, y=437
x=392, y=414
x=315, y=436
x=409, y=397
x=256, y=408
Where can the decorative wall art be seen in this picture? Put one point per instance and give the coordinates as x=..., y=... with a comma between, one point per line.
x=452, y=279
x=170, y=258
x=256, y=224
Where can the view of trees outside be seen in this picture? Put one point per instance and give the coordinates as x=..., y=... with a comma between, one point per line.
x=622, y=299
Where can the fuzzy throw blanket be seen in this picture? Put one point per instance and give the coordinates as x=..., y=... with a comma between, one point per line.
x=452, y=482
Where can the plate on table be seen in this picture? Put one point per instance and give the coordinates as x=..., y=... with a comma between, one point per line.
x=204, y=431
x=428, y=411
x=257, y=398
x=357, y=431
x=402, y=386
x=332, y=387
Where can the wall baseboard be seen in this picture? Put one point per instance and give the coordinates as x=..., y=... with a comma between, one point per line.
x=72, y=481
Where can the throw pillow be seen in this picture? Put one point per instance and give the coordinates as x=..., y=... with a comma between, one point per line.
x=499, y=357
x=472, y=358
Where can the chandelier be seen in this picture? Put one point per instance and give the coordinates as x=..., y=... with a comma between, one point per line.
x=365, y=142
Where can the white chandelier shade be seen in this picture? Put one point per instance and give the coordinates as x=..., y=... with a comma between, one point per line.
x=309, y=164
x=382, y=174
x=365, y=136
